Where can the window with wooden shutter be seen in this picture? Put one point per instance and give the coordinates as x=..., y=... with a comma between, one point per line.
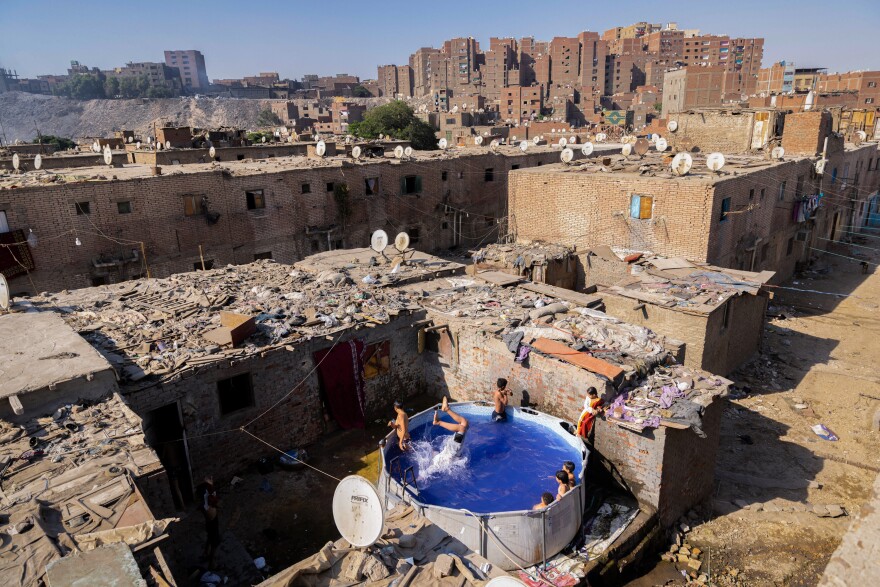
x=641, y=207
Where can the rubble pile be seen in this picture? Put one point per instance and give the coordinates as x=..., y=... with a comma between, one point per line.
x=672, y=395
x=515, y=254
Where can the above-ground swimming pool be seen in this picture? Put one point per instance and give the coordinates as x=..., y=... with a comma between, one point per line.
x=484, y=495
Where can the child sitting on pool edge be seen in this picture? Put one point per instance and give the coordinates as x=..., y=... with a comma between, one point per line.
x=546, y=499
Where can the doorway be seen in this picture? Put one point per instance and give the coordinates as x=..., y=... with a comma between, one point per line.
x=833, y=235
x=341, y=378
x=165, y=433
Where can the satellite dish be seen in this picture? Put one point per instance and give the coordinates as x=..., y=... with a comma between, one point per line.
x=682, y=163
x=130, y=139
x=626, y=149
x=715, y=161
x=524, y=146
x=96, y=147
x=601, y=137
x=16, y=161
x=563, y=142
x=777, y=153
x=320, y=148
x=478, y=140
x=407, y=152
x=168, y=143
x=263, y=139
x=587, y=149
x=442, y=143
x=454, y=109
x=398, y=152
x=566, y=155
x=381, y=136
x=212, y=152
x=108, y=157
x=820, y=166
x=572, y=140
x=4, y=292
x=661, y=145
x=38, y=161
x=379, y=241
x=356, y=152
x=289, y=138
x=672, y=126
x=860, y=137
x=513, y=139
x=358, y=512
x=493, y=144
x=138, y=145
x=552, y=130
x=401, y=241
x=641, y=147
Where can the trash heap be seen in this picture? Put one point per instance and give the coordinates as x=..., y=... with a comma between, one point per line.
x=671, y=395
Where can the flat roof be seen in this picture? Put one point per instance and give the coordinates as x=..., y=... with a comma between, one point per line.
x=246, y=167
x=39, y=350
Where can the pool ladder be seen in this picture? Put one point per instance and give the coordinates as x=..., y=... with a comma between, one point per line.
x=408, y=472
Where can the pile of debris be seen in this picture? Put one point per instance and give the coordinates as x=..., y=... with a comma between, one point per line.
x=674, y=396
x=67, y=483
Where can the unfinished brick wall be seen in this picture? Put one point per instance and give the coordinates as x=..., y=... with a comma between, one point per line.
x=727, y=131
x=805, y=132
x=291, y=225
x=297, y=420
x=596, y=270
x=668, y=470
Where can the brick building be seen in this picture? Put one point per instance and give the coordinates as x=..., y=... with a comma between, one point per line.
x=865, y=84
x=237, y=211
x=191, y=66
x=158, y=75
x=767, y=216
x=692, y=87
x=519, y=103
x=421, y=68
x=776, y=79
x=395, y=80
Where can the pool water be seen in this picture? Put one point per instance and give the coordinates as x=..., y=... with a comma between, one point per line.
x=502, y=466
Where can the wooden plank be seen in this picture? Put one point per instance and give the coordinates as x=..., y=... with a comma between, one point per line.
x=642, y=297
x=581, y=299
x=565, y=353
x=499, y=278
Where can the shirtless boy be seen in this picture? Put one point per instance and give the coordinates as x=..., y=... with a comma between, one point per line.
x=401, y=425
x=501, y=397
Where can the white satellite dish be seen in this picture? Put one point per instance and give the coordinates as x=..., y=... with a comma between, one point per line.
x=212, y=152
x=493, y=144
x=38, y=161
x=682, y=163
x=356, y=152
x=358, y=511
x=108, y=157
x=16, y=161
x=401, y=241
x=379, y=241
x=478, y=140
x=715, y=161
x=4, y=292
x=566, y=155
x=513, y=139
x=407, y=152
x=777, y=153
x=263, y=139
x=552, y=130
x=626, y=149
x=381, y=136
x=563, y=142
x=454, y=109
x=442, y=143
x=601, y=137
x=168, y=143
x=860, y=137
x=96, y=147
x=320, y=148
x=572, y=140
x=524, y=146
x=820, y=166
x=672, y=126
x=398, y=152
x=138, y=145
x=661, y=145
x=587, y=149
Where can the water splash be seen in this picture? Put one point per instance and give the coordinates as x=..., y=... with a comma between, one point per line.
x=439, y=460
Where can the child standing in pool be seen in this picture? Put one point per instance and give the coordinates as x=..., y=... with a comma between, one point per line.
x=501, y=397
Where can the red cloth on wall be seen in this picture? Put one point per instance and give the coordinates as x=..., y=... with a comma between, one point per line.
x=342, y=379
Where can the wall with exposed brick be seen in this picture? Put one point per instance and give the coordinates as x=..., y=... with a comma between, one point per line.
x=726, y=131
x=805, y=132
x=298, y=419
x=456, y=205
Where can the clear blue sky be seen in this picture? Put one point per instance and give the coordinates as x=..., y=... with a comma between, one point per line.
x=242, y=38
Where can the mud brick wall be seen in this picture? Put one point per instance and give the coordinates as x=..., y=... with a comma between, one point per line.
x=299, y=203
x=297, y=420
x=805, y=132
x=668, y=470
x=710, y=130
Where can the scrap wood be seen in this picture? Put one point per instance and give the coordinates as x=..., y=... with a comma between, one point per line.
x=565, y=353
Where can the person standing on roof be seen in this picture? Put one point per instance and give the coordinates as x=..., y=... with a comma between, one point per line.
x=592, y=407
x=501, y=397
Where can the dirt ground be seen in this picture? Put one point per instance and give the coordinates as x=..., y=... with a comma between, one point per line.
x=818, y=366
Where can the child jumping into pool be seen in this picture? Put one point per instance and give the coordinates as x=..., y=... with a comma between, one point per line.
x=459, y=428
x=401, y=425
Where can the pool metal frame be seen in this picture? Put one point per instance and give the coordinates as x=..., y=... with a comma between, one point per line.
x=509, y=540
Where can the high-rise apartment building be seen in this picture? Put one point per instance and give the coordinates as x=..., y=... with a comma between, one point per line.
x=191, y=65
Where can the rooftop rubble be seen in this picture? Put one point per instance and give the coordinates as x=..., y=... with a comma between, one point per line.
x=681, y=284
x=673, y=396
x=413, y=551
x=165, y=327
x=67, y=486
